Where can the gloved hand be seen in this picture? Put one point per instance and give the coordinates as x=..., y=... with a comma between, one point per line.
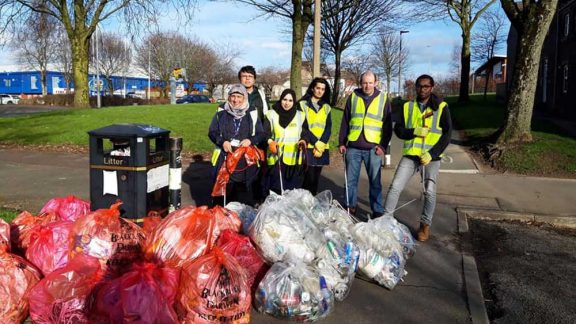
x=273, y=147
x=320, y=146
x=421, y=131
x=302, y=144
x=317, y=154
x=425, y=158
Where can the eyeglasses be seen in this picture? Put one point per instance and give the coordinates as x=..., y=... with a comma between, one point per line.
x=425, y=86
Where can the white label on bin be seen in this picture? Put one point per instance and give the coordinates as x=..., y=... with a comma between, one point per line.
x=158, y=178
x=110, y=185
x=139, y=139
x=175, y=178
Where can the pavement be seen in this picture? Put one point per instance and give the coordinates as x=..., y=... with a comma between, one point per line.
x=442, y=284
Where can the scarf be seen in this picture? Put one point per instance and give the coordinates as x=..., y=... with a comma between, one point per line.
x=286, y=116
x=237, y=113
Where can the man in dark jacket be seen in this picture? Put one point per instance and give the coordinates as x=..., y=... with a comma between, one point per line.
x=425, y=126
x=365, y=132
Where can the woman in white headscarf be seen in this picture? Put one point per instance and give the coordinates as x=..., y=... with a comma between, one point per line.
x=236, y=125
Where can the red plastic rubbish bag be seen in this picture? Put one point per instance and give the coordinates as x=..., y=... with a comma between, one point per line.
x=70, y=208
x=183, y=235
x=17, y=277
x=213, y=289
x=116, y=242
x=145, y=294
x=241, y=248
x=251, y=154
x=21, y=226
x=64, y=296
x=226, y=219
x=50, y=245
x=4, y=236
x=150, y=223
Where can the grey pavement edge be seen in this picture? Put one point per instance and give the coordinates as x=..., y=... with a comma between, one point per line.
x=442, y=282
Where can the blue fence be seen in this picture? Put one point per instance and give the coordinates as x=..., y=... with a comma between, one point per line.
x=30, y=83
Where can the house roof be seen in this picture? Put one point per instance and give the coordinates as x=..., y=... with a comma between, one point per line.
x=491, y=62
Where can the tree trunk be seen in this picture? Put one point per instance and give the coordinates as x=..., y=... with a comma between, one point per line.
x=488, y=74
x=531, y=35
x=463, y=96
x=337, y=74
x=299, y=28
x=110, y=85
x=43, y=81
x=80, y=50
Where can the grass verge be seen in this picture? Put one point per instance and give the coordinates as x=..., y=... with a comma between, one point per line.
x=70, y=127
x=8, y=214
x=551, y=153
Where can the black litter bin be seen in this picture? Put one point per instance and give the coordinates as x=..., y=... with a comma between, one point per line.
x=130, y=162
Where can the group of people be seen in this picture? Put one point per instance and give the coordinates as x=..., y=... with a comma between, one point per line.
x=294, y=134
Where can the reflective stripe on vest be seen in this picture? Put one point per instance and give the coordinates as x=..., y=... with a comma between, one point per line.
x=413, y=118
x=368, y=121
x=217, y=150
x=287, y=138
x=316, y=120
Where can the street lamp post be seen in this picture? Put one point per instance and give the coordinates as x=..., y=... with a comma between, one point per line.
x=316, y=59
x=149, y=45
x=400, y=63
x=98, y=102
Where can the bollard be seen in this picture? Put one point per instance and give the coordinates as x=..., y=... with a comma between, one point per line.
x=388, y=158
x=175, y=182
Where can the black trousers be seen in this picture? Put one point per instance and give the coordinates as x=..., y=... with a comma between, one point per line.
x=311, y=179
x=236, y=191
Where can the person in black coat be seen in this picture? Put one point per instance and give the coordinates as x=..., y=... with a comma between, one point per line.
x=236, y=124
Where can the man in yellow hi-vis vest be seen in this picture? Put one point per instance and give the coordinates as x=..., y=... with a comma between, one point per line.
x=365, y=132
x=425, y=126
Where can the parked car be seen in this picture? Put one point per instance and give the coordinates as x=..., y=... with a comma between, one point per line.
x=194, y=98
x=6, y=99
x=134, y=95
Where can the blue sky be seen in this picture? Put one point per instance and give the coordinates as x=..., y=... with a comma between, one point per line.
x=266, y=42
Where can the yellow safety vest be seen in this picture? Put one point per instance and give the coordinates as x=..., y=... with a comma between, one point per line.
x=413, y=118
x=316, y=120
x=370, y=121
x=287, y=138
x=217, y=150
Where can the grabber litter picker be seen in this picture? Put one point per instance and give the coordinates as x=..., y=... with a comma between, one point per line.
x=225, y=187
x=346, y=182
x=280, y=173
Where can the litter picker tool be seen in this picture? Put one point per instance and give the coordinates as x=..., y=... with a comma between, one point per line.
x=346, y=183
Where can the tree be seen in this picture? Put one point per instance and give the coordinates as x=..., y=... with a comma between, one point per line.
x=221, y=70
x=349, y=22
x=161, y=52
x=113, y=58
x=35, y=43
x=354, y=66
x=531, y=20
x=80, y=19
x=488, y=40
x=301, y=14
x=465, y=13
x=271, y=76
x=386, y=54
x=63, y=57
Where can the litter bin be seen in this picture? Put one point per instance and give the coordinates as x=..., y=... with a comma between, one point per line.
x=130, y=162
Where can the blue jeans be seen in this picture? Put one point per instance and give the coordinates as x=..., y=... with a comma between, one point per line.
x=373, y=163
x=406, y=169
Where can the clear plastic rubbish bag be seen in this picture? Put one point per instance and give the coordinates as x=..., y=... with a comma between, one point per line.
x=381, y=256
x=400, y=232
x=283, y=230
x=294, y=291
x=246, y=213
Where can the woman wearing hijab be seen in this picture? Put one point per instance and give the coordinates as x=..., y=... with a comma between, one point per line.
x=235, y=125
x=316, y=108
x=288, y=131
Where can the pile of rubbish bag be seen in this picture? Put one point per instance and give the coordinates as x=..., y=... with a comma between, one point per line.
x=292, y=258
